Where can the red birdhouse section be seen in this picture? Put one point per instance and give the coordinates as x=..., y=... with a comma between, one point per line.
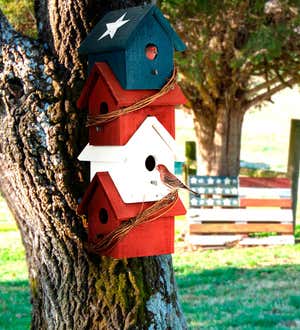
x=103, y=93
x=106, y=211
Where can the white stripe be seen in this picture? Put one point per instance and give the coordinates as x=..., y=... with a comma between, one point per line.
x=245, y=215
x=246, y=192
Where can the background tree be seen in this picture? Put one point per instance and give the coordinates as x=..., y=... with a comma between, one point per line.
x=239, y=54
x=41, y=134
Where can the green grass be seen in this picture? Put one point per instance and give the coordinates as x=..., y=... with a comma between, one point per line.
x=240, y=288
x=15, y=305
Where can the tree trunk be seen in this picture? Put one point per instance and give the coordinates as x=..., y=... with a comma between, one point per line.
x=219, y=138
x=41, y=134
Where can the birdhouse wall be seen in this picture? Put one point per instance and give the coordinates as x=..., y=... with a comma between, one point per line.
x=115, y=59
x=101, y=216
x=132, y=166
x=101, y=101
x=153, y=238
x=141, y=72
x=103, y=93
x=100, y=98
x=141, y=241
x=134, y=182
x=125, y=126
x=131, y=66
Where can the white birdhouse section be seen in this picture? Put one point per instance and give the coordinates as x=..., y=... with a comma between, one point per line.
x=132, y=167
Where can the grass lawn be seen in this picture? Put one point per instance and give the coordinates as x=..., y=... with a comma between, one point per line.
x=15, y=305
x=240, y=288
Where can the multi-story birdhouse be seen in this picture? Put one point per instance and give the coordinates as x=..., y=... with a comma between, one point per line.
x=103, y=94
x=132, y=166
x=106, y=211
x=130, y=54
x=138, y=44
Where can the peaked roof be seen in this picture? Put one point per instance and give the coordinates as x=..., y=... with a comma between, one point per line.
x=127, y=23
x=124, y=97
x=120, y=153
x=122, y=211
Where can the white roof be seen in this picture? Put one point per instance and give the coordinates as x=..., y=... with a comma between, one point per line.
x=150, y=134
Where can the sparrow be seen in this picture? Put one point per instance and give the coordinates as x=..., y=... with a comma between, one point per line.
x=170, y=180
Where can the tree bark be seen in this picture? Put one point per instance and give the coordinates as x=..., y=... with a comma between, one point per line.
x=42, y=132
x=219, y=138
x=218, y=117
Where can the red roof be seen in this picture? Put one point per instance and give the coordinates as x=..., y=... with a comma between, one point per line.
x=122, y=210
x=124, y=97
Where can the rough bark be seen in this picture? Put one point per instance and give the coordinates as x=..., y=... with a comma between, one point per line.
x=219, y=138
x=41, y=134
x=218, y=118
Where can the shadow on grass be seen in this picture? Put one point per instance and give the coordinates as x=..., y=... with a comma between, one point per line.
x=15, y=307
x=237, y=298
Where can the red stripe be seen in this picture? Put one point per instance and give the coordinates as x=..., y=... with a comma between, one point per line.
x=266, y=202
x=265, y=182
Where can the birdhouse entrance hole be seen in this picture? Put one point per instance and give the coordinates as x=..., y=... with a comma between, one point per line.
x=150, y=163
x=103, y=216
x=151, y=52
x=103, y=108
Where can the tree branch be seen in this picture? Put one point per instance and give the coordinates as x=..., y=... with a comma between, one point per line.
x=281, y=78
x=262, y=86
x=203, y=92
x=263, y=97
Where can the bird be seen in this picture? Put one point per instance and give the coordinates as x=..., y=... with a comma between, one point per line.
x=170, y=180
x=151, y=52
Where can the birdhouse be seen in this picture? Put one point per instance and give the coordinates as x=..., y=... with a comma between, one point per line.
x=138, y=44
x=103, y=94
x=106, y=211
x=132, y=166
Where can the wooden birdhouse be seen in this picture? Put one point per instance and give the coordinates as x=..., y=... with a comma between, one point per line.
x=132, y=166
x=138, y=44
x=103, y=94
x=106, y=211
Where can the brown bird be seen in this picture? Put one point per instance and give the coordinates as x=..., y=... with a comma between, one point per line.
x=170, y=180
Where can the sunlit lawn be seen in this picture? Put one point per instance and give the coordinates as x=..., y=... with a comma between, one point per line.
x=14, y=291
x=240, y=288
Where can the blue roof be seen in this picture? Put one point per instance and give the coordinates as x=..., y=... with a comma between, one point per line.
x=127, y=22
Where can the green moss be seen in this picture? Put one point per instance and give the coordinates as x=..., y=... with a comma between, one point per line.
x=122, y=283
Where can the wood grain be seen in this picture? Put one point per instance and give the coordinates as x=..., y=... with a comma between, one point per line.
x=225, y=228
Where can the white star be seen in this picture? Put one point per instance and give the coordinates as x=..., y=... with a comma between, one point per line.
x=219, y=190
x=111, y=28
x=234, y=191
x=227, y=181
x=210, y=181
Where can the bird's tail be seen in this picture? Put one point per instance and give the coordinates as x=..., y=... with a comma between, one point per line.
x=193, y=191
